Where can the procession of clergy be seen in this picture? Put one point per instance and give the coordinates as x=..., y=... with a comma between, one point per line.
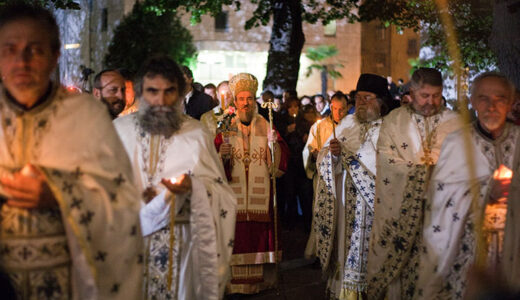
x=409, y=203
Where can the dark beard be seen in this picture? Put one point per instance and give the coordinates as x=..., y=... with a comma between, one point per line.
x=160, y=120
x=114, y=108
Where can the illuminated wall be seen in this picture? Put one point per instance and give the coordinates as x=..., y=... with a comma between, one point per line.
x=214, y=66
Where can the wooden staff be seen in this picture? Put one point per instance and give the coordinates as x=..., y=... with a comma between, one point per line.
x=333, y=126
x=172, y=239
x=270, y=106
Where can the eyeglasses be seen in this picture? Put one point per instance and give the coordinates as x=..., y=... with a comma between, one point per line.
x=366, y=98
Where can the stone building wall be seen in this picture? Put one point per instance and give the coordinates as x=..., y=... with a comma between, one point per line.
x=85, y=35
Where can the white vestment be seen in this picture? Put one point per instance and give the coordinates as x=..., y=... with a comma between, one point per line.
x=90, y=246
x=211, y=118
x=204, y=220
x=344, y=207
x=319, y=133
x=448, y=247
x=409, y=144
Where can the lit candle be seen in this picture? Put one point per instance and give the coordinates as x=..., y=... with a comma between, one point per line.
x=502, y=173
x=333, y=126
x=27, y=171
x=222, y=101
x=496, y=211
x=173, y=180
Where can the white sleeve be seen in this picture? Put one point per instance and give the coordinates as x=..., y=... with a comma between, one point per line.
x=156, y=214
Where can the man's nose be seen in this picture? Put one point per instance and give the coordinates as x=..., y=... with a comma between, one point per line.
x=121, y=94
x=161, y=99
x=25, y=55
x=491, y=106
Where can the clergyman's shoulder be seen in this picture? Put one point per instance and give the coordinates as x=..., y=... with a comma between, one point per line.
x=449, y=114
x=124, y=121
x=398, y=113
x=395, y=118
x=193, y=127
x=456, y=137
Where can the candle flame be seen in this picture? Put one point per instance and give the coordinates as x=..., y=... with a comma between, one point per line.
x=502, y=172
x=173, y=180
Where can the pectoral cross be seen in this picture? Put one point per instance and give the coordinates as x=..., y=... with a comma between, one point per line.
x=426, y=158
x=246, y=160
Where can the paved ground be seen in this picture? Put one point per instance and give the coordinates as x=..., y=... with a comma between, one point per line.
x=299, y=279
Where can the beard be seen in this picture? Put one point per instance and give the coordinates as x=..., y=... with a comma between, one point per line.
x=245, y=115
x=114, y=107
x=160, y=120
x=426, y=110
x=491, y=122
x=366, y=114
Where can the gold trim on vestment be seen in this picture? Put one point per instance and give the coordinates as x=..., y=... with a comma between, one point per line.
x=255, y=258
x=250, y=215
x=347, y=294
x=248, y=288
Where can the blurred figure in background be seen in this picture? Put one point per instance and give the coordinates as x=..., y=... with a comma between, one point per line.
x=109, y=88
x=319, y=133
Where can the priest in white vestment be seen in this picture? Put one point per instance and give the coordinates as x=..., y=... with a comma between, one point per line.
x=176, y=167
x=69, y=218
x=212, y=118
x=344, y=207
x=448, y=249
x=319, y=133
x=409, y=144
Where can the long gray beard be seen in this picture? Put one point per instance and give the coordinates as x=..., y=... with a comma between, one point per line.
x=367, y=116
x=160, y=120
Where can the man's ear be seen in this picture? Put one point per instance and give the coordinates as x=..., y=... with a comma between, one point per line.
x=96, y=93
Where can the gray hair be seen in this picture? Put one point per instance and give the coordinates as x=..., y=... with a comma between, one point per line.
x=424, y=76
x=493, y=74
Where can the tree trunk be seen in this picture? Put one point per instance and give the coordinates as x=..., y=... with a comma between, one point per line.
x=505, y=38
x=324, y=83
x=285, y=47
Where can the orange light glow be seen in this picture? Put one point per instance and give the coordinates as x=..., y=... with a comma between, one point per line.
x=502, y=173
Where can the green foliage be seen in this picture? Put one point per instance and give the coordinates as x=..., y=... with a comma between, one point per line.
x=318, y=55
x=473, y=21
x=196, y=8
x=144, y=32
x=60, y=4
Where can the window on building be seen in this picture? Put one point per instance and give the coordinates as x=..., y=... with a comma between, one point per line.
x=230, y=61
x=330, y=29
x=240, y=61
x=381, y=32
x=104, y=19
x=412, y=47
x=380, y=60
x=221, y=21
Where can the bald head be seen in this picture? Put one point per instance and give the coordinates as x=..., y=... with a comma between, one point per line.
x=109, y=87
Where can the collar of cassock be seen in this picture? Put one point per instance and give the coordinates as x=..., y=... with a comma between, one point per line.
x=42, y=102
x=486, y=135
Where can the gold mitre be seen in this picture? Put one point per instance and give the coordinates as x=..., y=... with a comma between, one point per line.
x=243, y=82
